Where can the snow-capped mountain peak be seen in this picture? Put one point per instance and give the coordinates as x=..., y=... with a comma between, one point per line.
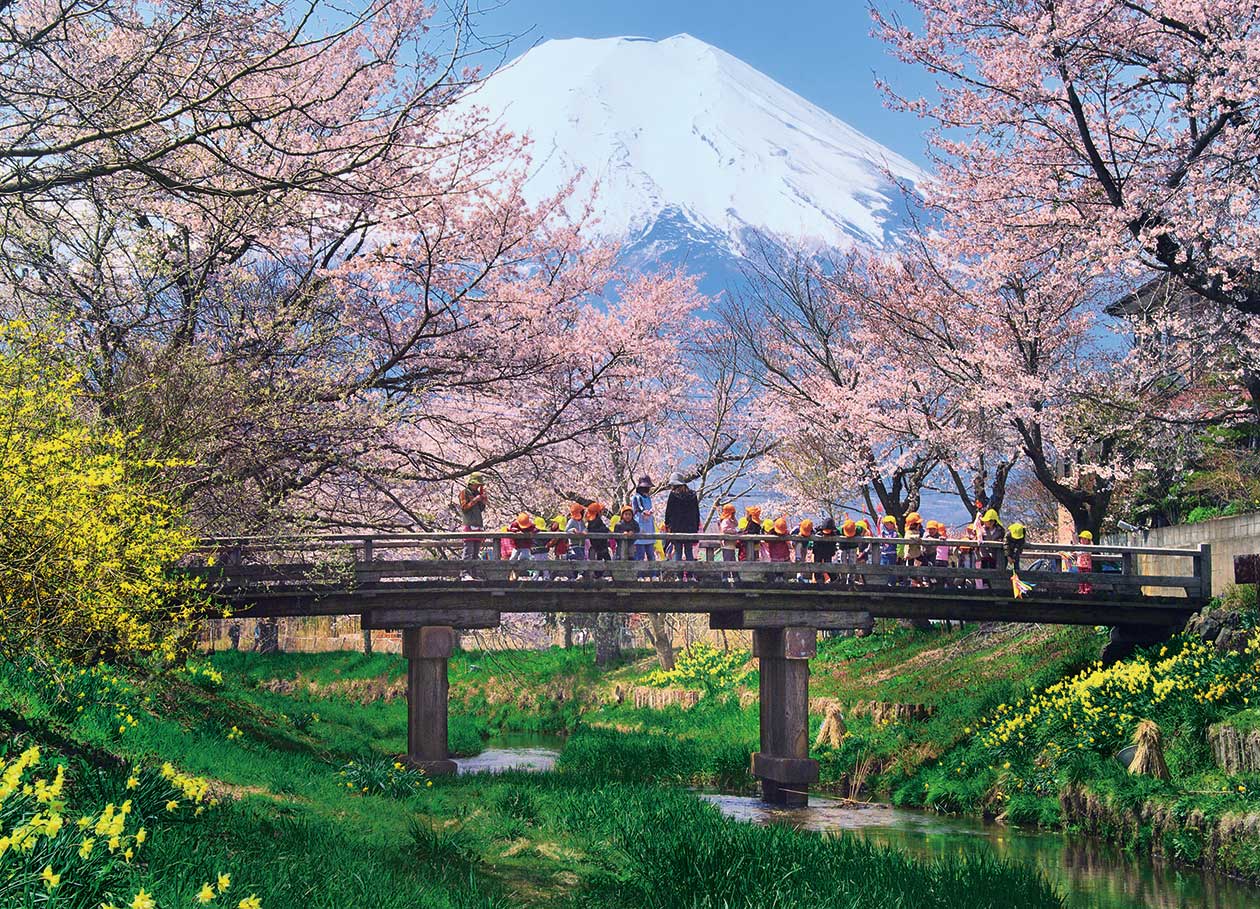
x=677, y=131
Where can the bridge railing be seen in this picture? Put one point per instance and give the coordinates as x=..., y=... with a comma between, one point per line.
x=325, y=560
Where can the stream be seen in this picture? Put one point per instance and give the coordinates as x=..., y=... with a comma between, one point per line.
x=1090, y=874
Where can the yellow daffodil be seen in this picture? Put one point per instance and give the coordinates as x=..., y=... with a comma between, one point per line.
x=225, y=881
x=205, y=894
x=50, y=879
x=143, y=901
x=250, y=902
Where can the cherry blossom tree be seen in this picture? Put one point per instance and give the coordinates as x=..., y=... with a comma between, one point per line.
x=1126, y=129
x=318, y=283
x=850, y=417
x=160, y=94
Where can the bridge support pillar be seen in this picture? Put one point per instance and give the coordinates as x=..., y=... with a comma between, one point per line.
x=427, y=650
x=783, y=764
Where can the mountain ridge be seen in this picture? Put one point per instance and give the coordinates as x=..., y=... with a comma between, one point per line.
x=682, y=138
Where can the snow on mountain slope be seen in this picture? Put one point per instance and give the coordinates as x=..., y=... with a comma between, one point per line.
x=688, y=142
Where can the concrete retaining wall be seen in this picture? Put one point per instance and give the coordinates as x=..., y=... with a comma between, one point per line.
x=1229, y=537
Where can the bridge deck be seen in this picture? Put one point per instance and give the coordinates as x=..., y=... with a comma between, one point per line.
x=404, y=578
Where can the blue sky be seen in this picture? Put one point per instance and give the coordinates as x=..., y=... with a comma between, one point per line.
x=821, y=49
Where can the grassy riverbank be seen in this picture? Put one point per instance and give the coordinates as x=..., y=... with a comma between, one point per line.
x=312, y=813
x=1020, y=725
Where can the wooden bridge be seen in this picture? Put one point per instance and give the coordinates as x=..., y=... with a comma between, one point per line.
x=419, y=584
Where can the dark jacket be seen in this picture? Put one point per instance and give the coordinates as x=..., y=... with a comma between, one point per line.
x=629, y=528
x=599, y=548
x=825, y=545
x=1014, y=549
x=682, y=511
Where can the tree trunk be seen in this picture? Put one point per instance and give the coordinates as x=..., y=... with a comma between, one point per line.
x=367, y=641
x=608, y=626
x=658, y=632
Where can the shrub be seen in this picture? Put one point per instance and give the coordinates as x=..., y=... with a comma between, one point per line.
x=1203, y=513
x=702, y=666
x=374, y=775
x=89, y=540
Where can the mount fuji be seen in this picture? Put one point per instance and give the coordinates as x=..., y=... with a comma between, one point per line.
x=694, y=156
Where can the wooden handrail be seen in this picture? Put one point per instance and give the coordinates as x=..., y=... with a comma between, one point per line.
x=435, y=538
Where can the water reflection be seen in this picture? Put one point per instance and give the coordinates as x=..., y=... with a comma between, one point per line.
x=1089, y=874
x=514, y=751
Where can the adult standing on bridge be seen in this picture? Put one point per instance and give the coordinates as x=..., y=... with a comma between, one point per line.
x=682, y=515
x=644, y=519
x=472, y=509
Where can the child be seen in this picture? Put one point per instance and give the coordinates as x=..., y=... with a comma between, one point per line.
x=523, y=531
x=597, y=529
x=991, y=531
x=863, y=549
x=938, y=554
x=1014, y=546
x=888, y=551
x=915, y=552
x=728, y=526
x=802, y=547
x=763, y=548
x=778, y=549
x=557, y=548
x=1085, y=561
x=848, y=553
x=575, y=527
x=751, y=527
x=628, y=530
x=967, y=557
x=540, y=545
x=825, y=546
x=473, y=502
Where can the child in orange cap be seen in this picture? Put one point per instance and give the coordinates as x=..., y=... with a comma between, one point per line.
x=628, y=529
x=523, y=530
x=801, y=548
x=779, y=549
x=575, y=527
x=597, y=531
x=848, y=548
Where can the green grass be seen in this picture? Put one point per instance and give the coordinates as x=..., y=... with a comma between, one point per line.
x=293, y=833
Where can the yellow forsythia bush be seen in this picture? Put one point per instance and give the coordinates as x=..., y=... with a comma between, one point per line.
x=85, y=566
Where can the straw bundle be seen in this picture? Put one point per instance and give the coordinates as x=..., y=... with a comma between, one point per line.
x=1149, y=758
x=833, y=729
